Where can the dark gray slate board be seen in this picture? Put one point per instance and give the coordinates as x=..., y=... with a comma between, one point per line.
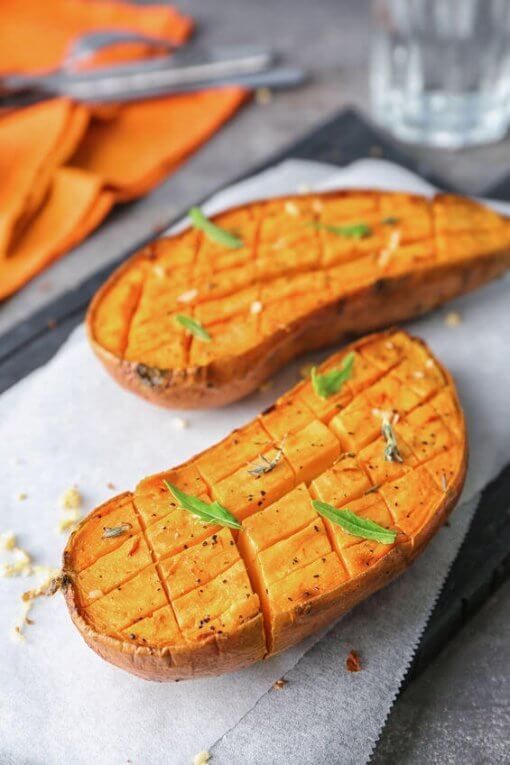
x=484, y=559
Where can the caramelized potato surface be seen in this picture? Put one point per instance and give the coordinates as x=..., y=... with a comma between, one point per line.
x=171, y=596
x=312, y=270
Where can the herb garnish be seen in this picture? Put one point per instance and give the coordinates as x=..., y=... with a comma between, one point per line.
x=354, y=524
x=354, y=231
x=265, y=465
x=391, y=452
x=208, y=512
x=390, y=221
x=193, y=327
x=213, y=231
x=115, y=531
x=331, y=382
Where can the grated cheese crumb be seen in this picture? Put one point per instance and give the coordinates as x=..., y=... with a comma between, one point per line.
x=7, y=540
x=317, y=206
x=188, y=296
x=93, y=594
x=393, y=243
x=429, y=364
x=201, y=758
x=453, y=319
x=69, y=521
x=263, y=96
x=71, y=499
x=291, y=208
x=256, y=307
x=386, y=414
x=180, y=423
x=418, y=374
x=159, y=271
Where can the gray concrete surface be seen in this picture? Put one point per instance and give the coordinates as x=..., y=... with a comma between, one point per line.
x=459, y=710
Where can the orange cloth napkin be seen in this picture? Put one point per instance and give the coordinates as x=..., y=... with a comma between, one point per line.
x=64, y=165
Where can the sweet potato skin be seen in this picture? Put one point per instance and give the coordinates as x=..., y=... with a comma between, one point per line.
x=239, y=648
x=381, y=302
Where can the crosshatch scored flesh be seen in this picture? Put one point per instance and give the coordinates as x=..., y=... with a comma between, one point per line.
x=312, y=270
x=175, y=597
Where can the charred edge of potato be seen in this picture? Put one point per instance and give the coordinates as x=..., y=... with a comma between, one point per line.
x=384, y=302
x=186, y=661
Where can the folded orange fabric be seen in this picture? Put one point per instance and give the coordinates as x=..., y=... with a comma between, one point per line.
x=35, y=35
x=76, y=204
x=33, y=143
x=63, y=165
x=144, y=141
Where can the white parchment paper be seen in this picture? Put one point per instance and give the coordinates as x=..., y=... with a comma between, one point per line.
x=70, y=423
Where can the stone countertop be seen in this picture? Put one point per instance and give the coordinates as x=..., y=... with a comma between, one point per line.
x=458, y=711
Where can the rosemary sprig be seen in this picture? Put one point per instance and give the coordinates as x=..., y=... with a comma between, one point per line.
x=354, y=524
x=193, y=327
x=391, y=452
x=327, y=384
x=354, y=231
x=212, y=231
x=265, y=465
x=115, y=531
x=208, y=512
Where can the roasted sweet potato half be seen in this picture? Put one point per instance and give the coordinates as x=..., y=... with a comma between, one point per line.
x=377, y=438
x=292, y=275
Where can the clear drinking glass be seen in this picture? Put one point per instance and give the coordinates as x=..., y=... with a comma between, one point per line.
x=440, y=70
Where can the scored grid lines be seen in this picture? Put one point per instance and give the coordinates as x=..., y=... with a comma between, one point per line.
x=159, y=559
x=440, y=212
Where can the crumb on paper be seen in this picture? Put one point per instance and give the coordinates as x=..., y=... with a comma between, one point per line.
x=353, y=662
x=202, y=758
x=291, y=208
x=71, y=499
x=280, y=684
x=110, y=485
x=69, y=521
x=453, y=319
x=306, y=371
x=256, y=307
x=375, y=151
x=22, y=496
x=180, y=423
x=48, y=586
x=7, y=540
x=20, y=564
x=187, y=296
x=263, y=96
